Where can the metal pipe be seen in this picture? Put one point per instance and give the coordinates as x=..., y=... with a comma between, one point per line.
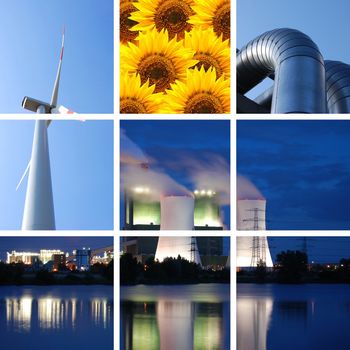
x=298, y=67
x=338, y=86
x=265, y=98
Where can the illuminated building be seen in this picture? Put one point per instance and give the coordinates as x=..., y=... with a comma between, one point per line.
x=143, y=210
x=59, y=260
x=47, y=255
x=206, y=210
x=27, y=258
x=83, y=259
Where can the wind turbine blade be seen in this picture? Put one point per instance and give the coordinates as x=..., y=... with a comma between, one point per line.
x=54, y=96
x=23, y=176
x=61, y=110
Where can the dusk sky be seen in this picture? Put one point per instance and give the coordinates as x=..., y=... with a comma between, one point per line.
x=320, y=249
x=30, y=37
x=81, y=159
x=177, y=146
x=66, y=244
x=302, y=169
x=326, y=22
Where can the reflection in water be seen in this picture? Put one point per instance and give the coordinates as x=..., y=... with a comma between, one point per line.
x=175, y=318
x=253, y=319
x=174, y=325
x=55, y=313
x=303, y=317
x=19, y=313
x=292, y=311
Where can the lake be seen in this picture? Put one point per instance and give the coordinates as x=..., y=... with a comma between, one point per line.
x=56, y=317
x=290, y=317
x=181, y=317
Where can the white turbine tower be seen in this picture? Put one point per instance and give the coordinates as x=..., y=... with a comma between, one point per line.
x=38, y=208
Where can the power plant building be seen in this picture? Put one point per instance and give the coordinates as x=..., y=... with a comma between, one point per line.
x=83, y=259
x=27, y=258
x=143, y=212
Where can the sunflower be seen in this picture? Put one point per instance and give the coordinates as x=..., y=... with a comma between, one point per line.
x=212, y=13
x=200, y=93
x=136, y=98
x=210, y=50
x=171, y=15
x=157, y=59
x=126, y=23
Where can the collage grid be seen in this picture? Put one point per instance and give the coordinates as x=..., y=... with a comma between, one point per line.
x=231, y=233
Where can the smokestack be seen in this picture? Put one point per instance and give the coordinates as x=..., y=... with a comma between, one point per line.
x=177, y=213
x=172, y=247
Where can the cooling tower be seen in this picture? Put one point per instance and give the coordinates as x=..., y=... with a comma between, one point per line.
x=177, y=213
x=251, y=214
x=246, y=257
x=206, y=209
x=172, y=247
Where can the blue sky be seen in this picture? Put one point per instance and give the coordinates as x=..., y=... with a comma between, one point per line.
x=170, y=142
x=81, y=156
x=30, y=39
x=66, y=244
x=302, y=168
x=326, y=22
x=319, y=249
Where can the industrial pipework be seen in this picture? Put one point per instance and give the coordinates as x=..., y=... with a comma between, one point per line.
x=338, y=86
x=298, y=69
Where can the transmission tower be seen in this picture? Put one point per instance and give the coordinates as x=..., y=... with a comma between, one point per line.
x=259, y=243
x=193, y=249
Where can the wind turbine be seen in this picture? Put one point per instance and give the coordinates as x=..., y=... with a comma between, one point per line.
x=38, y=208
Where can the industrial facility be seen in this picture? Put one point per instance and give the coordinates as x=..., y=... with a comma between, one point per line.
x=198, y=211
x=252, y=250
x=206, y=251
x=302, y=81
x=53, y=259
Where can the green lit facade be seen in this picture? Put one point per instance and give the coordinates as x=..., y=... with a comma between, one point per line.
x=143, y=213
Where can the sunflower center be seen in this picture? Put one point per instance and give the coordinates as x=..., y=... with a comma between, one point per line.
x=173, y=16
x=126, y=23
x=221, y=21
x=203, y=103
x=208, y=61
x=131, y=106
x=159, y=70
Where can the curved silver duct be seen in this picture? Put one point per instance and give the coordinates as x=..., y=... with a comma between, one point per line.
x=298, y=66
x=338, y=86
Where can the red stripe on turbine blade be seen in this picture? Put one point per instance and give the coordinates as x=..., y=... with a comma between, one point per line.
x=70, y=112
x=62, y=50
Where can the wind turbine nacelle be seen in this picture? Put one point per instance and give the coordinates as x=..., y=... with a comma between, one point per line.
x=32, y=105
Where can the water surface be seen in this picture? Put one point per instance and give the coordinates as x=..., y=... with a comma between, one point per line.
x=56, y=317
x=183, y=317
x=290, y=317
